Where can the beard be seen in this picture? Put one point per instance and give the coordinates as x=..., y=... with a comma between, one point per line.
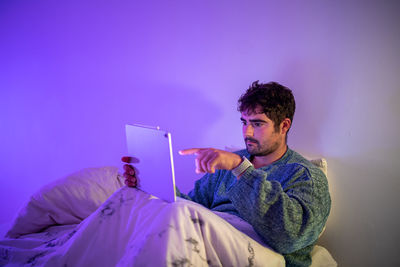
x=259, y=150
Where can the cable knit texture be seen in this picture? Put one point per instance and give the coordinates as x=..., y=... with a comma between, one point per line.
x=286, y=202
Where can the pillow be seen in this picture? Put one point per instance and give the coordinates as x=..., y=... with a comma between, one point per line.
x=66, y=201
x=322, y=164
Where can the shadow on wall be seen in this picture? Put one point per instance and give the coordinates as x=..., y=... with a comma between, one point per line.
x=311, y=83
x=185, y=112
x=359, y=214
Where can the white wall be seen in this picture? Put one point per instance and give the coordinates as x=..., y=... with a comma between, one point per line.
x=72, y=74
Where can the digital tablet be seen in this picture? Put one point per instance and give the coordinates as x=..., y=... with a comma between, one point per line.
x=151, y=149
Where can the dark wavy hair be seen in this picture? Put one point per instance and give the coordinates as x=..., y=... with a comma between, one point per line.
x=275, y=100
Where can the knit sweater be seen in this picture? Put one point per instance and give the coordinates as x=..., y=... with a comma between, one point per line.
x=286, y=202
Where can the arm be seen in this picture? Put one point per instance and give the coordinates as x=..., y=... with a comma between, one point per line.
x=203, y=191
x=289, y=216
x=209, y=161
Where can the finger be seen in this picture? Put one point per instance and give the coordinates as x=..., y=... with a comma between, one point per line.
x=198, y=167
x=130, y=173
x=127, y=159
x=130, y=184
x=189, y=151
x=128, y=176
x=131, y=179
x=212, y=163
x=129, y=168
x=204, y=160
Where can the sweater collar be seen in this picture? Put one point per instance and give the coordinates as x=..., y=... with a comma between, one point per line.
x=279, y=161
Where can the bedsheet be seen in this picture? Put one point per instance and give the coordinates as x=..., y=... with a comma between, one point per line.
x=90, y=218
x=132, y=228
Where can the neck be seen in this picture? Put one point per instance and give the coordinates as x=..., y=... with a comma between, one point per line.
x=262, y=161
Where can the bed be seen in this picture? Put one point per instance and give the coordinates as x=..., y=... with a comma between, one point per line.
x=90, y=218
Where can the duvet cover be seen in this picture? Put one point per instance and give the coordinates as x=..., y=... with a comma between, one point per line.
x=91, y=219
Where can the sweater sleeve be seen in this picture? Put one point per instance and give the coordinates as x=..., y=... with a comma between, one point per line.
x=287, y=215
x=203, y=191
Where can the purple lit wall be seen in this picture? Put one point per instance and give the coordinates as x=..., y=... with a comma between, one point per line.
x=73, y=73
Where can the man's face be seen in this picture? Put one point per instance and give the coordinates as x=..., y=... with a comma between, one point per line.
x=259, y=134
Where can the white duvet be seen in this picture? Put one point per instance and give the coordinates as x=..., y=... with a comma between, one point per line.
x=90, y=219
x=65, y=224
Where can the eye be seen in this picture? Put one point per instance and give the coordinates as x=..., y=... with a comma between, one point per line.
x=244, y=123
x=257, y=124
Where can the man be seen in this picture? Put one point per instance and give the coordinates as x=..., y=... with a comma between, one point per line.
x=281, y=194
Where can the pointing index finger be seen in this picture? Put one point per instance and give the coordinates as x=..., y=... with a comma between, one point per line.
x=189, y=151
x=127, y=159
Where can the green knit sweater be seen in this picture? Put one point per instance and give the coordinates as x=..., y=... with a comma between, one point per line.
x=286, y=202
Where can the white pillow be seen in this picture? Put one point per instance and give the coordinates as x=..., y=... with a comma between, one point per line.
x=322, y=164
x=66, y=201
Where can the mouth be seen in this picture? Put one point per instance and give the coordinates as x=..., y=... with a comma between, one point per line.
x=250, y=142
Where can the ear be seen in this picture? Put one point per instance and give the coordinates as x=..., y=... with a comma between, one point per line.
x=285, y=125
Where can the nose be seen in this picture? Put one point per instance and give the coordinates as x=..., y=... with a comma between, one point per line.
x=248, y=130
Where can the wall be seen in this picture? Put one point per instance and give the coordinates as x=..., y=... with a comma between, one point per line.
x=73, y=74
